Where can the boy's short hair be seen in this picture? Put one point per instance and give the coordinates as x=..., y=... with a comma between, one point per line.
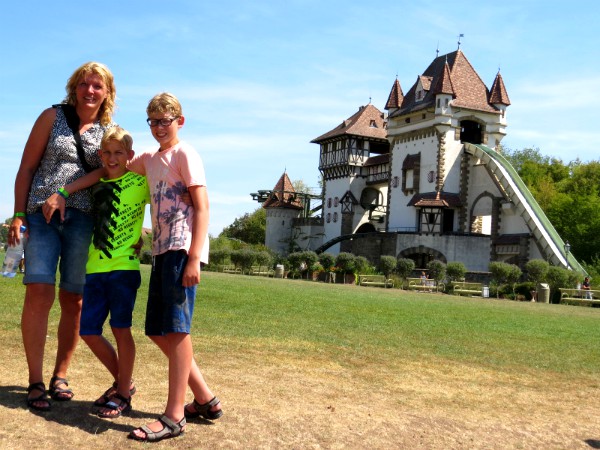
x=164, y=102
x=120, y=135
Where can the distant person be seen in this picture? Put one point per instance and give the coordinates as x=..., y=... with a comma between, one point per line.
x=179, y=246
x=423, y=278
x=585, y=286
x=62, y=147
x=113, y=268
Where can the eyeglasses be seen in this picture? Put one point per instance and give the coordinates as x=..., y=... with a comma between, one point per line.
x=162, y=122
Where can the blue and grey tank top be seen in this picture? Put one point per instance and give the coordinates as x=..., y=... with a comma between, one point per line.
x=60, y=164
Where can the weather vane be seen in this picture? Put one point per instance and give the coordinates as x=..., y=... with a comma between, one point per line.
x=460, y=36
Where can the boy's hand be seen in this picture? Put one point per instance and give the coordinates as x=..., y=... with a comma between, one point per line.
x=54, y=202
x=137, y=247
x=191, y=273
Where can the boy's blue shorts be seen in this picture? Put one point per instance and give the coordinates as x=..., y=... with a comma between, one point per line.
x=106, y=292
x=68, y=242
x=170, y=305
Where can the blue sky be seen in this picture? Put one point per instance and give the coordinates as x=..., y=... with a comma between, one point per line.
x=258, y=80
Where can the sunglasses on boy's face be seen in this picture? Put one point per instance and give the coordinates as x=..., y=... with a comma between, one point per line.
x=162, y=122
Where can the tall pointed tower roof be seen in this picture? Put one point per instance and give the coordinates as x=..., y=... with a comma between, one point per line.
x=283, y=195
x=444, y=83
x=470, y=92
x=498, y=93
x=396, y=96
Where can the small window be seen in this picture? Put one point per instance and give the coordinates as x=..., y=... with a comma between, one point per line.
x=335, y=202
x=431, y=176
x=328, y=217
x=373, y=124
x=335, y=217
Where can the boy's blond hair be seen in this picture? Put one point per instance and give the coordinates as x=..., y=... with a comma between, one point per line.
x=120, y=135
x=164, y=102
x=108, y=106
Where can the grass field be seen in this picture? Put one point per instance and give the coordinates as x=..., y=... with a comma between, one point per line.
x=300, y=364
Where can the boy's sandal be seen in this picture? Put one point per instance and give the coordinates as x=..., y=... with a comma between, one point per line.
x=121, y=408
x=170, y=430
x=42, y=398
x=110, y=392
x=60, y=394
x=204, y=410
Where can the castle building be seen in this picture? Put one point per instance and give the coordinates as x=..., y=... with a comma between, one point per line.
x=428, y=179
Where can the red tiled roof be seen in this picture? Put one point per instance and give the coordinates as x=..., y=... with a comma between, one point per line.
x=498, y=93
x=283, y=195
x=396, y=96
x=444, y=83
x=469, y=90
x=367, y=122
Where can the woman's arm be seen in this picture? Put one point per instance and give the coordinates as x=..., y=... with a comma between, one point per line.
x=32, y=155
x=58, y=202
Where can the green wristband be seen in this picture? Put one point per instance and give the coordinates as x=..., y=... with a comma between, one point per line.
x=62, y=192
x=19, y=214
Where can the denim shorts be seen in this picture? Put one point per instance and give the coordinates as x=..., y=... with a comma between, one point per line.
x=67, y=242
x=170, y=305
x=106, y=292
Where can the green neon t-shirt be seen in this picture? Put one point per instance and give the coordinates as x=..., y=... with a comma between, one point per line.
x=119, y=205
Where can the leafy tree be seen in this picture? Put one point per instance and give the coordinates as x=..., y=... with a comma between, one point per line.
x=537, y=269
x=264, y=259
x=361, y=265
x=327, y=260
x=504, y=273
x=404, y=267
x=243, y=258
x=387, y=264
x=219, y=256
x=456, y=271
x=346, y=262
x=250, y=228
x=437, y=270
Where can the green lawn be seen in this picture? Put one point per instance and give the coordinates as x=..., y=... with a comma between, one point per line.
x=345, y=322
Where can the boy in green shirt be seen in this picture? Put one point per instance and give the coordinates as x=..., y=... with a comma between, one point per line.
x=113, y=268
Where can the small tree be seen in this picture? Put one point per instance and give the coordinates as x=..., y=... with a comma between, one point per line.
x=361, y=265
x=437, y=270
x=311, y=259
x=265, y=259
x=219, y=256
x=537, y=270
x=504, y=273
x=404, y=267
x=327, y=260
x=387, y=264
x=455, y=271
x=557, y=278
x=243, y=258
x=345, y=262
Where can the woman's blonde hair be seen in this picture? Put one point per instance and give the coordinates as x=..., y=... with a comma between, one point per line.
x=164, y=102
x=108, y=105
x=120, y=135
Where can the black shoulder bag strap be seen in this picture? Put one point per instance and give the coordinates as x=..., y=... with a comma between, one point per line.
x=73, y=123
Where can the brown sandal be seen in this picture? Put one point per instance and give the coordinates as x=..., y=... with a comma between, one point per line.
x=110, y=392
x=204, y=410
x=60, y=394
x=43, y=397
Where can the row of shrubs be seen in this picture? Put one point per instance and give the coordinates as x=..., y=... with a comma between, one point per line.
x=506, y=280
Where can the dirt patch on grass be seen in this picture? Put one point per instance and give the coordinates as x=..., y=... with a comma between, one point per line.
x=282, y=401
